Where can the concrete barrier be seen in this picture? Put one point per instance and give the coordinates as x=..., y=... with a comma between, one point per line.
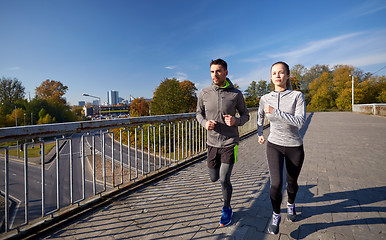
x=373, y=108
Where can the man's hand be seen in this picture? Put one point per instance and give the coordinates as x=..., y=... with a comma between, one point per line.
x=261, y=140
x=229, y=120
x=210, y=124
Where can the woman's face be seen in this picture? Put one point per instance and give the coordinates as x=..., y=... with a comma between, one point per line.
x=279, y=76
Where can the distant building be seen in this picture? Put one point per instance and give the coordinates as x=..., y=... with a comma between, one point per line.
x=114, y=96
x=81, y=103
x=95, y=102
x=88, y=111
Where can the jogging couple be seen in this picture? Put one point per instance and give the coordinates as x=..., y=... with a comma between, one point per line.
x=284, y=108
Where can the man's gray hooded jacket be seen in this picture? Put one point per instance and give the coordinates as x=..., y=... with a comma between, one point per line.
x=213, y=103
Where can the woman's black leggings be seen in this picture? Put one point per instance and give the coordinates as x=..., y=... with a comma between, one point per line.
x=294, y=158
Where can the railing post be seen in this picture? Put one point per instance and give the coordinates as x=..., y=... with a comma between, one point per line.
x=25, y=183
x=6, y=189
x=43, y=179
x=71, y=174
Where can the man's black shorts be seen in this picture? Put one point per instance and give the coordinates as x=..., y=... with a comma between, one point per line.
x=216, y=156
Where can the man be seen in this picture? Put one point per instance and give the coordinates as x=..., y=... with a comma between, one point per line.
x=216, y=111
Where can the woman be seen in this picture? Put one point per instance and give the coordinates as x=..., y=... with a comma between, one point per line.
x=285, y=109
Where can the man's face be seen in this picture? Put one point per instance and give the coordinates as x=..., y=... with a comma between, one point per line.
x=218, y=74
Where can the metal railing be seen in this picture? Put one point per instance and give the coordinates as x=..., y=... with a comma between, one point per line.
x=91, y=158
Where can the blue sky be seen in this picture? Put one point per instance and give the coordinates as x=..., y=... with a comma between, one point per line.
x=94, y=46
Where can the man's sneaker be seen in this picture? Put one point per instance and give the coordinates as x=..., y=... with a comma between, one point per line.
x=273, y=227
x=291, y=213
x=226, y=217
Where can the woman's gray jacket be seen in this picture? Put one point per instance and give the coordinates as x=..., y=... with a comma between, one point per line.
x=287, y=118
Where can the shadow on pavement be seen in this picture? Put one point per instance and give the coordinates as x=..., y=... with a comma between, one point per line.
x=354, y=201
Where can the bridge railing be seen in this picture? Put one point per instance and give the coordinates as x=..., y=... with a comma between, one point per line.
x=88, y=159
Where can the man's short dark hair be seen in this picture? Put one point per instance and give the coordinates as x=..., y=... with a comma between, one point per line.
x=219, y=62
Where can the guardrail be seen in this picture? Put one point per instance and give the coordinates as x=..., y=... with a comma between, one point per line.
x=91, y=159
x=372, y=108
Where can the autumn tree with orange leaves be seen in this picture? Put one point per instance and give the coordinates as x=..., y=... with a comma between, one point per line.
x=139, y=107
x=51, y=90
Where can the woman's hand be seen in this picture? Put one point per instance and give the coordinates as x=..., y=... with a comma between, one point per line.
x=261, y=140
x=268, y=109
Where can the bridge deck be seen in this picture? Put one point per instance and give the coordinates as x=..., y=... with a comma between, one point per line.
x=342, y=193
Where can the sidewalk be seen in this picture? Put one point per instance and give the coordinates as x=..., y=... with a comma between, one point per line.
x=342, y=193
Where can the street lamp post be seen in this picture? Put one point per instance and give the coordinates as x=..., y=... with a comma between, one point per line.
x=99, y=103
x=352, y=91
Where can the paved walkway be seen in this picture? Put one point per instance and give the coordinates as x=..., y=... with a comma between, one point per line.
x=342, y=193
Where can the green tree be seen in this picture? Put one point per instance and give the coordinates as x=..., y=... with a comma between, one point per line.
x=44, y=117
x=11, y=91
x=172, y=96
x=251, y=96
x=255, y=91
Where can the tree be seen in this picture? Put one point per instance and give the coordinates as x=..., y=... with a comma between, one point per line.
x=11, y=90
x=188, y=92
x=313, y=73
x=297, y=73
x=341, y=75
x=251, y=96
x=51, y=90
x=44, y=117
x=309, y=76
x=370, y=90
x=139, y=107
x=172, y=96
x=295, y=83
x=255, y=91
x=322, y=94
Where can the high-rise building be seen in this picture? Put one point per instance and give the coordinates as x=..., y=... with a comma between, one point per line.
x=114, y=96
x=81, y=103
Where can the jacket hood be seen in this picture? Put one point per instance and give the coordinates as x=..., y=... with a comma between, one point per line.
x=230, y=86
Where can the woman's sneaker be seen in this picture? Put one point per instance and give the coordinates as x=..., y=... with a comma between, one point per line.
x=273, y=227
x=226, y=217
x=291, y=213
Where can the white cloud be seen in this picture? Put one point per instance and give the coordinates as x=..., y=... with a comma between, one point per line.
x=171, y=67
x=181, y=76
x=14, y=68
x=315, y=46
x=372, y=11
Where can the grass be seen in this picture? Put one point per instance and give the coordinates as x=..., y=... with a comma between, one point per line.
x=33, y=151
